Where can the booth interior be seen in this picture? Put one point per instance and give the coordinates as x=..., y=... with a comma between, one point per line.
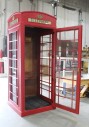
x=37, y=68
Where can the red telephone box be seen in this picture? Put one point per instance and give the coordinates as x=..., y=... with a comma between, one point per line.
x=44, y=64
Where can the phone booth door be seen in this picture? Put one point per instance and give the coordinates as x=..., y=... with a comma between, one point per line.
x=68, y=65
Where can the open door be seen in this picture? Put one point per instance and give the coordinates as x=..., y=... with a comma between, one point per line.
x=68, y=68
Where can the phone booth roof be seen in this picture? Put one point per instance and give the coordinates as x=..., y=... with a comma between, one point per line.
x=32, y=18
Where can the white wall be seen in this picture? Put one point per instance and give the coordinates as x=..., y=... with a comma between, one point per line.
x=45, y=7
x=64, y=17
x=26, y=5
x=85, y=24
x=1, y=22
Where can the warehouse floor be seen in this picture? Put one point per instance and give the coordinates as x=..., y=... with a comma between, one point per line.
x=53, y=118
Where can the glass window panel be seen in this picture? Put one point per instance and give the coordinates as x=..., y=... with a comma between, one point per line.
x=45, y=93
x=14, y=63
x=14, y=72
x=14, y=89
x=14, y=36
x=12, y=54
x=14, y=81
x=15, y=99
x=13, y=45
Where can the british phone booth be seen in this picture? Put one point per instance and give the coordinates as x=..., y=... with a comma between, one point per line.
x=44, y=64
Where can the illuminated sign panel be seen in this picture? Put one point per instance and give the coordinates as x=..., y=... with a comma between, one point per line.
x=13, y=22
x=39, y=21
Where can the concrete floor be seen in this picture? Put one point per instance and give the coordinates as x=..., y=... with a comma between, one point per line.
x=53, y=118
x=85, y=100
